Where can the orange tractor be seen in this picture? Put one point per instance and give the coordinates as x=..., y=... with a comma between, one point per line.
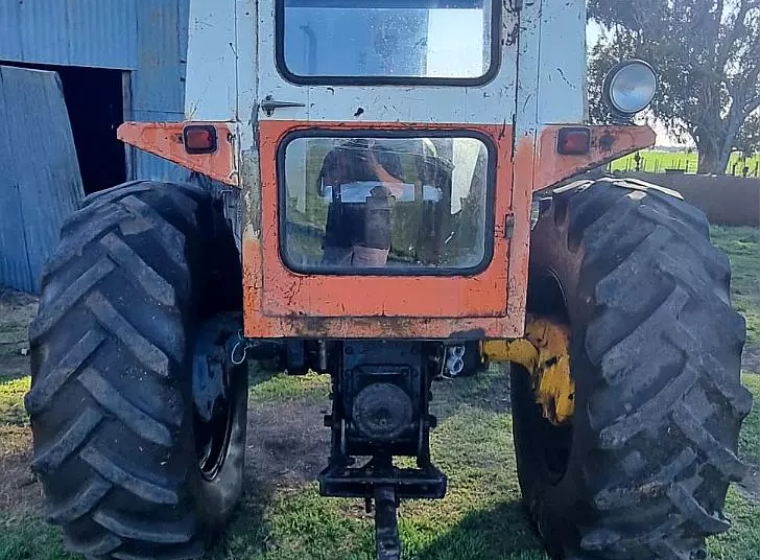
x=369, y=198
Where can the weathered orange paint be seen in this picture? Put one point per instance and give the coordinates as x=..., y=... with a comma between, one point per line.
x=282, y=303
x=259, y=325
x=166, y=141
x=608, y=143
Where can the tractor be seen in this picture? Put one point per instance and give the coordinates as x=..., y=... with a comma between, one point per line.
x=385, y=192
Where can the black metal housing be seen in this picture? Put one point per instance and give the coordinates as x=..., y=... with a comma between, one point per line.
x=398, y=375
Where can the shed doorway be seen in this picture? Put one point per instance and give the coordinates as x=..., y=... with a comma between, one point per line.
x=95, y=104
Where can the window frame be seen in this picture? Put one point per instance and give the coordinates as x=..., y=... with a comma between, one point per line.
x=489, y=222
x=321, y=80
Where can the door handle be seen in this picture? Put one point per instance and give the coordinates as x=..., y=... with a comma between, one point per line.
x=269, y=105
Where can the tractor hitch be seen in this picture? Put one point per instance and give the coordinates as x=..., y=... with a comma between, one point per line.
x=381, y=392
x=386, y=523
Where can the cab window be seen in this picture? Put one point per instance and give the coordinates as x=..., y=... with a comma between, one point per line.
x=386, y=41
x=386, y=205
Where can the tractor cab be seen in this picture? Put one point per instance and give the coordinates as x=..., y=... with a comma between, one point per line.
x=386, y=154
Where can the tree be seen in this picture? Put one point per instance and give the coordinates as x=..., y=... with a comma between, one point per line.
x=707, y=54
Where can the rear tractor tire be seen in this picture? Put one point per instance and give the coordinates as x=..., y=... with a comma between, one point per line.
x=642, y=470
x=131, y=466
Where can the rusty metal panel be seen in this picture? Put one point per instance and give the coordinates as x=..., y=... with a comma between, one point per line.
x=40, y=184
x=165, y=140
x=148, y=167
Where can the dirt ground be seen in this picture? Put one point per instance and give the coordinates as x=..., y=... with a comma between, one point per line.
x=19, y=492
x=16, y=312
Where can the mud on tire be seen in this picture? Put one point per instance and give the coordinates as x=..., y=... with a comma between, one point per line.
x=655, y=354
x=111, y=401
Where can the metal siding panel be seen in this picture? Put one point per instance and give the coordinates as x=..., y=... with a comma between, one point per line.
x=44, y=31
x=14, y=263
x=153, y=168
x=103, y=34
x=10, y=31
x=158, y=84
x=94, y=33
x=184, y=24
x=46, y=172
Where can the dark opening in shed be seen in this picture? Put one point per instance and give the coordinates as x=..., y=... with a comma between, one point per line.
x=95, y=103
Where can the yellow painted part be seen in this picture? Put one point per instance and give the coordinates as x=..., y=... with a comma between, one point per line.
x=544, y=352
x=519, y=351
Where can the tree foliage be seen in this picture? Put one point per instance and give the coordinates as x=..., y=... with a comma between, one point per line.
x=707, y=54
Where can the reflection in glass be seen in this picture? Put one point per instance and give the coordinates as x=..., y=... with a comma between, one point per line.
x=385, y=202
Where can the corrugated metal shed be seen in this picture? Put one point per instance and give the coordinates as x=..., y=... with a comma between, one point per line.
x=40, y=183
x=147, y=38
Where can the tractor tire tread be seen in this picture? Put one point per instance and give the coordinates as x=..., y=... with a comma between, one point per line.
x=136, y=238
x=673, y=223
x=658, y=283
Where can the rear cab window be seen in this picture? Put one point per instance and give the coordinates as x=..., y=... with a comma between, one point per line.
x=387, y=41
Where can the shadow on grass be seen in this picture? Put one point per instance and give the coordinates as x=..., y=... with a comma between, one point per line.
x=500, y=533
x=487, y=391
x=247, y=533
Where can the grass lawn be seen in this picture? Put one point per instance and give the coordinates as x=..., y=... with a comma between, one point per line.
x=743, y=247
x=749, y=443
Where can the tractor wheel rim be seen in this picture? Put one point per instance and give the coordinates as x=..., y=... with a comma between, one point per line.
x=212, y=439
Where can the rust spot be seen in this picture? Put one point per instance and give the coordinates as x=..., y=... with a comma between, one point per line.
x=606, y=141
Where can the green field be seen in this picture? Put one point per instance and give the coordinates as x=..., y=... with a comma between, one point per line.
x=655, y=161
x=742, y=245
x=282, y=516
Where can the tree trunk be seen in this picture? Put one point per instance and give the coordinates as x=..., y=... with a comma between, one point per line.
x=709, y=159
x=737, y=118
